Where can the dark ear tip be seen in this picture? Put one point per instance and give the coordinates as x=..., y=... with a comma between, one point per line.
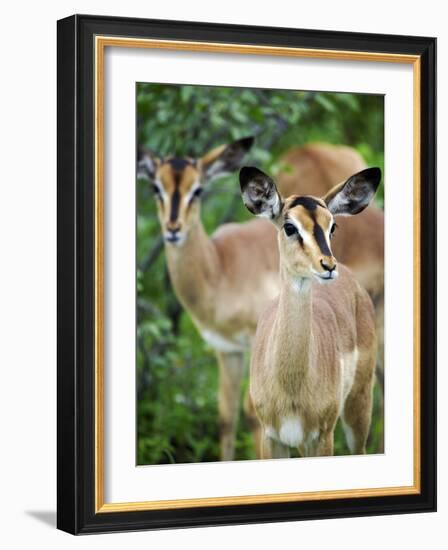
x=245, y=174
x=248, y=173
x=373, y=174
x=247, y=142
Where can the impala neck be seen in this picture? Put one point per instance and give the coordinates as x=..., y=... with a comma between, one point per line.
x=293, y=336
x=194, y=270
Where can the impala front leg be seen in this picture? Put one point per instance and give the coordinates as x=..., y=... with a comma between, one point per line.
x=271, y=448
x=325, y=444
x=254, y=424
x=231, y=372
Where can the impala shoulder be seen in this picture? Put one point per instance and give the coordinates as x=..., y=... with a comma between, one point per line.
x=249, y=227
x=225, y=230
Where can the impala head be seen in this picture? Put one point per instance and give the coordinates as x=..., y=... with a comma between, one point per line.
x=305, y=223
x=178, y=183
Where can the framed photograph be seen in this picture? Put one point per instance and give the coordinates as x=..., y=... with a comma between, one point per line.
x=246, y=274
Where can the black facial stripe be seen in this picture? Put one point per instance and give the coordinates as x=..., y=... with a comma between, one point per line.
x=321, y=240
x=307, y=202
x=175, y=199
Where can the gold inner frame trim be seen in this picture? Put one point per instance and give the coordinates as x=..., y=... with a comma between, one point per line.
x=101, y=42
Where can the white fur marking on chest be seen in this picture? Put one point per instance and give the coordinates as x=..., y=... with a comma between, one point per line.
x=291, y=431
x=218, y=342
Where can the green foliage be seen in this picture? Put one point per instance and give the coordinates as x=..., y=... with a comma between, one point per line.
x=177, y=375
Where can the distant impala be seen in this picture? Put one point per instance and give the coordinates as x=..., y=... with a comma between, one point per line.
x=224, y=281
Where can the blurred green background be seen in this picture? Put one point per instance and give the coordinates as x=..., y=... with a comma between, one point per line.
x=177, y=374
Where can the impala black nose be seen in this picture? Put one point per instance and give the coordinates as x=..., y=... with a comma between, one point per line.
x=173, y=234
x=327, y=267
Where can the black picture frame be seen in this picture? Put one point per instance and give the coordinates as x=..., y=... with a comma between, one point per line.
x=76, y=225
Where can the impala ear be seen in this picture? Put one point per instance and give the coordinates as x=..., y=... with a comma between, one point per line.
x=259, y=193
x=147, y=164
x=225, y=159
x=352, y=196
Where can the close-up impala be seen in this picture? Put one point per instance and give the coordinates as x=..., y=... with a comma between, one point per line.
x=313, y=170
x=314, y=353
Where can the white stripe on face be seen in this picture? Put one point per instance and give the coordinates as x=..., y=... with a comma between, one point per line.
x=161, y=189
x=188, y=196
x=306, y=237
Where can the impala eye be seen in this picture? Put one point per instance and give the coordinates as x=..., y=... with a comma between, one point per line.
x=195, y=195
x=290, y=229
x=333, y=228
